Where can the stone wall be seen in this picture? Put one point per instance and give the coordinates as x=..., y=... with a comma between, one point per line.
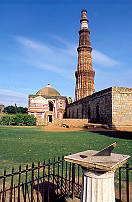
x=44, y=121
x=40, y=121
x=101, y=107
x=97, y=108
x=64, y=122
x=121, y=107
x=71, y=122
x=111, y=106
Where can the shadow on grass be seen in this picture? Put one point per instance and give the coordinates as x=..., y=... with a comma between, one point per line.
x=49, y=193
x=116, y=134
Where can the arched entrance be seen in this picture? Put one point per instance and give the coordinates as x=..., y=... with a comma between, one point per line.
x=51, y=106
x=89, y=112
x=50, y=118
x=97, y=114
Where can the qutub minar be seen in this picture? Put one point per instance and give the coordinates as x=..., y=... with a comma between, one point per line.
x=84, y=74
x=111, y=106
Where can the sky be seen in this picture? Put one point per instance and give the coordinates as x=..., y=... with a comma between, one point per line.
x=39, y=40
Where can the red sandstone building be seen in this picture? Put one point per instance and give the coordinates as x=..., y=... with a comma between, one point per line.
x=84, y=74
x=47, y=105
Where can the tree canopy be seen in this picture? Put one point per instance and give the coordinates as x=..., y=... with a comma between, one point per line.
x=15, y=110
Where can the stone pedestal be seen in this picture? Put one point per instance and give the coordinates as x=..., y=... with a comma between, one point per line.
x=97, y=186
x=98, y=173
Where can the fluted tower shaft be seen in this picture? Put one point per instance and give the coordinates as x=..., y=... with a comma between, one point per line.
x=84, y=74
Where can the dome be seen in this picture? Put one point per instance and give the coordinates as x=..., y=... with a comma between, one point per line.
x=48, y=91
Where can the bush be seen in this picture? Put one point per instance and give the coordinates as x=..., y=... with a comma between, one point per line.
x=5, y=120
x=12, y=120
x=29, y=120
x=18, y=120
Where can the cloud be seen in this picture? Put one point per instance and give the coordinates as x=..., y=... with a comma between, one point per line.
x=34, y=45
x=57, y=58
x=105, y=79
x=11, y=93
x=9, y=97
x=104, y=60
x=70, y=48
x=48, y=57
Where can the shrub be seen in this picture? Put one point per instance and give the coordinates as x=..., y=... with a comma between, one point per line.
x=11, y=119
x=29, y=120
x=5, y=120
x=18, y=120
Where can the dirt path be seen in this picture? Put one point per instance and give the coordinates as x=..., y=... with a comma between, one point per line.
x=58, y=128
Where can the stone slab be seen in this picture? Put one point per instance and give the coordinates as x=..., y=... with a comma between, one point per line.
x=88, y=159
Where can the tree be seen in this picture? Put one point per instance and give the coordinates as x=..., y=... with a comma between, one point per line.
x=10, y=110
x=22, y=110
x=15, y=110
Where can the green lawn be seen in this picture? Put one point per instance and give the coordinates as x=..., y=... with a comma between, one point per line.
x=27, y=145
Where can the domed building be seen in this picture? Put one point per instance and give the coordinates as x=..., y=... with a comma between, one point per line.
x=47, y=105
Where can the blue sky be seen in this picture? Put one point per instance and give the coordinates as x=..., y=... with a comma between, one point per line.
x=38, y=41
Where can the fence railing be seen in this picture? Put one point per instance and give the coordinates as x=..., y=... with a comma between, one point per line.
x=125, y=186
x=52, y=181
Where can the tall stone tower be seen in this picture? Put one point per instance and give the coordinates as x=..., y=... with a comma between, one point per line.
x=84, y=74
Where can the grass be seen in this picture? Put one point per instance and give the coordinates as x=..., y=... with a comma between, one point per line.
x=26, y=145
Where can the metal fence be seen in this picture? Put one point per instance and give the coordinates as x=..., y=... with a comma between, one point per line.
x=51, y=182
x=125, y=185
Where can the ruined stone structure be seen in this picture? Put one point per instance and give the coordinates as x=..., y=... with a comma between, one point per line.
x=1, y=108
x=112, y=106
x=121, y=107
x=75, y=123
x=84, y=74
x=47, y=105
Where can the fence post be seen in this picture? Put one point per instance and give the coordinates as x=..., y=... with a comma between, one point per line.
x=53, y=177
x=66, y=180
x=11, y=185
x=73, y=180
x=14, y=193
x=62, y=175
x=69, y=177
x=38, y=181
x=78, y=180
x=3, y=197
x=32, y=183
x=58, y=175
x=43, y=187
x=19, y=183
x=120, y=184
x=127, y=180
x=25, y=196
x=49, y=181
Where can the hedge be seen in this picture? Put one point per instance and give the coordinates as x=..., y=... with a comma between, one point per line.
x=18, y=120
